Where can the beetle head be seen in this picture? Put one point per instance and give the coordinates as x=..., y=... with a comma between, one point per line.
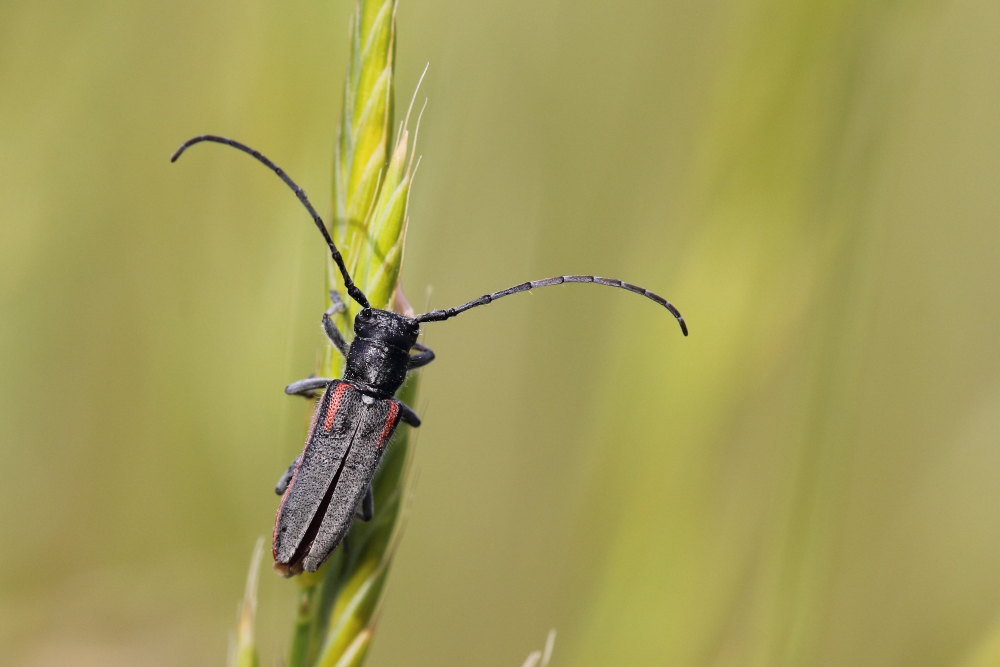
x=391, y=328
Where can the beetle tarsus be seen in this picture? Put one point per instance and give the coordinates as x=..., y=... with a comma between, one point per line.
x=424, y=356
x=407, y=415
x=285, y=478
x=366, y=510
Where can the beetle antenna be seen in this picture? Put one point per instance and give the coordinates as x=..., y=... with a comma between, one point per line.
x=338, y=259
x=438, y=315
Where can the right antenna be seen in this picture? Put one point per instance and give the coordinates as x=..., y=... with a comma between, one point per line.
x=438, y=315
x=352, y=289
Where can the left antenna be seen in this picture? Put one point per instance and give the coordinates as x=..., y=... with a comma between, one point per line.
x=353, y=290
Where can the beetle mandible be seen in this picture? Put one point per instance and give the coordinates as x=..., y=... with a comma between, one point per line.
x=356, y=415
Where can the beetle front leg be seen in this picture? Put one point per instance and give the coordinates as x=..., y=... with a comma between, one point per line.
x=307, y=387
x=424, y=356
x=332, y=332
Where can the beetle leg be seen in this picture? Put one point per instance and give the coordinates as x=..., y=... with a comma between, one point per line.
x=424, y=356
x=407, y=415
x=332, y=332
x=283, y=481
x=366, y=510
x=307, y=387
x=337, y=304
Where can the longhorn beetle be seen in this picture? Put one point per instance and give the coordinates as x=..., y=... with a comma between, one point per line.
x=357, y=414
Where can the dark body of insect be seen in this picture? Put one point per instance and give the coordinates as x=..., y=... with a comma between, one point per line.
x=330, y=482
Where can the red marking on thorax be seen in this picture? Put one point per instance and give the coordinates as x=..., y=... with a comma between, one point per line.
x=331, y=409
x=390, y=421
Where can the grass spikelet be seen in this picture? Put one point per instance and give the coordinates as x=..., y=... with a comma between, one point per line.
x=338, y=606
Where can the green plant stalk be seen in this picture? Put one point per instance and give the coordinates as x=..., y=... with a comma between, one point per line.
x=338, y=605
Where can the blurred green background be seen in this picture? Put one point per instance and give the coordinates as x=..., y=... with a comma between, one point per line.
x=812, y=478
